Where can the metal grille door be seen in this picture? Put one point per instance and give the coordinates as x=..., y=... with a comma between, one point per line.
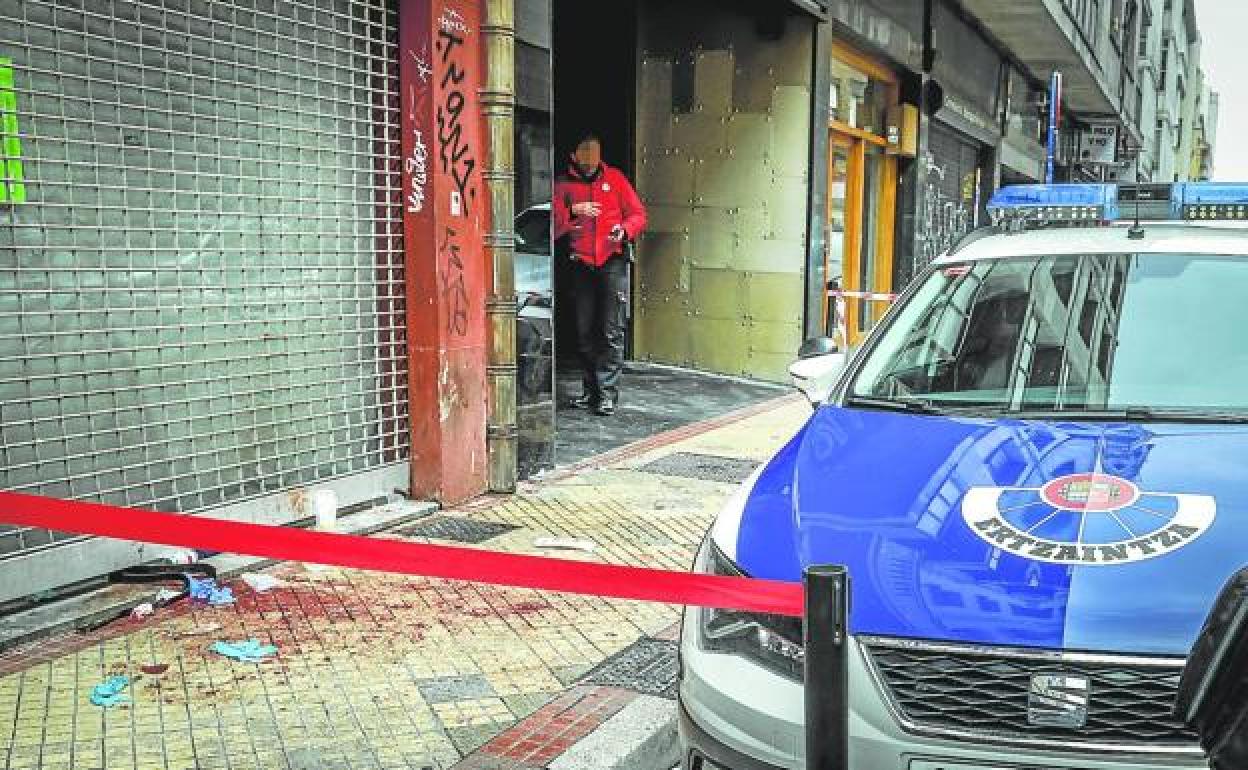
x=201, y=289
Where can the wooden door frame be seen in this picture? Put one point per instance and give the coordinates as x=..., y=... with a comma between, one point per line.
x=855, y=141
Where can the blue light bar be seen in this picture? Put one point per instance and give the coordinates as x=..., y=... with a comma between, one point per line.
x=1208, y=201
x=1085, y=204
x=1056, y=203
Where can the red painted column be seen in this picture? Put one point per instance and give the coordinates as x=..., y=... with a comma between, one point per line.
x=444, y=221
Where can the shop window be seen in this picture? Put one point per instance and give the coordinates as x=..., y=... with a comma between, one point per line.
x=857, y=99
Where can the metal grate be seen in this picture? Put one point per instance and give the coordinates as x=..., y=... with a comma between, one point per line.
x=690, y=465
x=458, y=529
x=647, y=666
x=1130, y=703
x=201, y=298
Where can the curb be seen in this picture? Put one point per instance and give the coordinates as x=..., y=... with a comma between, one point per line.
x=587, y=727
x=641, y=736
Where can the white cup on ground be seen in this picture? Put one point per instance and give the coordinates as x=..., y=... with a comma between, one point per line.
x=325, y=507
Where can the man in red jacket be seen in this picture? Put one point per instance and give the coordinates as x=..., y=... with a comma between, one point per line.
x=599, y=212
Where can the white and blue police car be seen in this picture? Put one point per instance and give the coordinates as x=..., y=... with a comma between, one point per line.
x=1036, y=472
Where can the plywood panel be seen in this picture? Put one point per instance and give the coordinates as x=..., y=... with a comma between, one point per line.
x=790, y=129
x=787, y=202
x=698, y=133
x=654, y=119
x=717, y=293
x=768, y=255
x=774, y=296
x=663, y=263
x=663, y=328
x=663, y=218
x=773, y=367
x=752, y=222
x=713, y=237
x=741, y=202
x=730, y=181
x=749, y=136
x=720, y=345
x=712, y=81
x=784, y=63
x=666, y=178
x=776, y=338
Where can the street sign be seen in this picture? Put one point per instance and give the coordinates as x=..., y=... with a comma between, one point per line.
x=1098, y=144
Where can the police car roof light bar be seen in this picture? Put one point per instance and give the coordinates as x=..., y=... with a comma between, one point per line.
x=1057, y=203
x=1039, y=204
x=1210, y=201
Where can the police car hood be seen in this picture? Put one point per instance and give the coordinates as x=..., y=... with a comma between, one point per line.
x=1065, y=535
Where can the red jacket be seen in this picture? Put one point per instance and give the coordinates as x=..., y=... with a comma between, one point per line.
x=589, y=237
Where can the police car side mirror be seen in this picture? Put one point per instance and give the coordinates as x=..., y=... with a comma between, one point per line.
x=1213, y=693
x=818, y=367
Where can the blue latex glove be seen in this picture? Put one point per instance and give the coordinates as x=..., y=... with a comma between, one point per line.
x=207, y=590
x=109, y=693
x=250, y=651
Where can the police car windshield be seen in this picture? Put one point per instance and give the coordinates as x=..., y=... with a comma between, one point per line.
x=1147, y=333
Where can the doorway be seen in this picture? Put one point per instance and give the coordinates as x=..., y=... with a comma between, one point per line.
x=705, y=107
x=862, y=197
x=594, y=77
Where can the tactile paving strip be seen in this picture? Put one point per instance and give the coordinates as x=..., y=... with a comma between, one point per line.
x=690, y=465
x=457, y=529
x=647, y=666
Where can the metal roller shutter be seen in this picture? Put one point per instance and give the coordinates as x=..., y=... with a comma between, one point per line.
x=952, y=196
x=201, y=269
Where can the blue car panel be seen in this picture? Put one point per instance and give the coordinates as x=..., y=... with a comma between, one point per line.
x=1109, y=537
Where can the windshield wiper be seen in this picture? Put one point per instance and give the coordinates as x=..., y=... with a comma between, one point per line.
x=909, y=405
x=1135, y=414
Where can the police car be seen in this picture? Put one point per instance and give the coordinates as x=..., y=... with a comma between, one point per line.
x=1036, y=472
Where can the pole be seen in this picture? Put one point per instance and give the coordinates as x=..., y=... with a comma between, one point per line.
x=826, y=637
x=1055, y=119
x=498, y=108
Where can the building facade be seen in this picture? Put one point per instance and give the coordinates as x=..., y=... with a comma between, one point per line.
x=253, y=249
x=1170, y=52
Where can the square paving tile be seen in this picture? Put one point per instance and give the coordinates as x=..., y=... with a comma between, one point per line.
x=469, y=739
x=455, y=688
x=524, y=705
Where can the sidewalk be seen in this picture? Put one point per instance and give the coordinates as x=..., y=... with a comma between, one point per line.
x=384, y=671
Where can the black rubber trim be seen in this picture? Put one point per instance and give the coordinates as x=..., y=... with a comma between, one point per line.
x=695, y=741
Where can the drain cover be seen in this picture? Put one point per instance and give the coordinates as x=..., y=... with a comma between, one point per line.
x=689, y=465
x=456, y=529
x=647, y=666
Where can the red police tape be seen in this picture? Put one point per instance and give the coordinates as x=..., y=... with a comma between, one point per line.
x=385, y=555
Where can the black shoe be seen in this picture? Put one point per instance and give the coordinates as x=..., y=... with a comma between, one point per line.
x=605, y=407
x=583, y=401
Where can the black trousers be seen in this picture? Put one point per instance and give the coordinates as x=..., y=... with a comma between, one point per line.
x=600, y=295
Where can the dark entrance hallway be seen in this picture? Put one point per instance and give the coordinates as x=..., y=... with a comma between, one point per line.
x=594, y=78
x=654, y=399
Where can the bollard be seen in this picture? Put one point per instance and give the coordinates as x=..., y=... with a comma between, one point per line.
x=826, y=637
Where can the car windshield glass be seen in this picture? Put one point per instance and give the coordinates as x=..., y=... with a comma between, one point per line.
x=1070, y=333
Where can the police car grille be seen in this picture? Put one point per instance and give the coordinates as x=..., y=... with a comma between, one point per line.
x=986, y=693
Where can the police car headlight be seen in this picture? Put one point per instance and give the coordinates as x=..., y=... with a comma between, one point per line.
x=772, y=641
